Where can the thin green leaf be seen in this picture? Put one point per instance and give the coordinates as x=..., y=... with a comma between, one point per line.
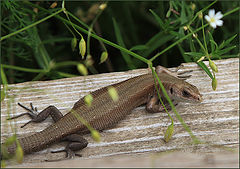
x=118, y=35
x=227, y=42
x=4, y=82
x=230, y=56
x=215, y=56
x=212, y=42
x=174, y=4
x=159, y=20
x=192, y=46
x=213, y=45
x=186, y=58
x=169, y=132
x=176, y=34
x=221, y=52
x=3, y=76
x=183, y=16
x=156, y=41
x=195, y=54
x=205, y=68
x=139, y=47
x=19, y=153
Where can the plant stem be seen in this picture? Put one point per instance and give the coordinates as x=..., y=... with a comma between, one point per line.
x=177, y=42
x=29, y=26
x=23, y=69
x=93, y=35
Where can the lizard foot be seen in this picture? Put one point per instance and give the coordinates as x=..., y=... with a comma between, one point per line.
x=175, y=73
x=69, y=154
x=180, y=74
x=76, y=143
x=32, y=113
x=39, y=117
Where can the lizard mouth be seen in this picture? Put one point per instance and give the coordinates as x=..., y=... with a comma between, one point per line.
x=193, y=99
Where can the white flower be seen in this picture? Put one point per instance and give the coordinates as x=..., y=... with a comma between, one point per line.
x=214, y=20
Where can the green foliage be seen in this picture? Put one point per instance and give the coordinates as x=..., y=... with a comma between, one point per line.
x=145, y=28
x=126, y=57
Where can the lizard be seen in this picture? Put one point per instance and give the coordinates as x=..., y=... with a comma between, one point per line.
x=104, y=112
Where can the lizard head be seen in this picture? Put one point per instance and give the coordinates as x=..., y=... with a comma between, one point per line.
x=184, y=92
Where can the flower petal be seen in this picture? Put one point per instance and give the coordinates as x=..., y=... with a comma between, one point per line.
x=211, y=13
x=213, y=24
x=207, y=18
x=218, y=15
x=219, y=22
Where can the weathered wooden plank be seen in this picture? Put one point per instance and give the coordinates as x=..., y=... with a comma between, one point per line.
x=165, y=159
x=215, y=120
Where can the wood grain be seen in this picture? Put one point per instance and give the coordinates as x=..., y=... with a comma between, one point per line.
x=214, y=121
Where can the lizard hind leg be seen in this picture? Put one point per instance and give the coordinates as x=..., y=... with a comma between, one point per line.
x=179, y=75
x=76, y=143
x=39, y=117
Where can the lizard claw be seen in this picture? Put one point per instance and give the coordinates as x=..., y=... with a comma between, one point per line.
x=32, y=113
x=69, y=154
x=180, y=74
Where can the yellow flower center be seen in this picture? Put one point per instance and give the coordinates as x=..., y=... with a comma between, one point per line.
x=212, y=19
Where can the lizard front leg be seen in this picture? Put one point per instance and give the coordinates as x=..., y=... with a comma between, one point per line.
x=76, y=141
x=154, y=106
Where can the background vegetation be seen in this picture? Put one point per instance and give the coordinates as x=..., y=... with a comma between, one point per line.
x=44, y=52
x=44, y=40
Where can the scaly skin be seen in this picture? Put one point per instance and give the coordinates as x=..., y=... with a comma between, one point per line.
x=104, y=112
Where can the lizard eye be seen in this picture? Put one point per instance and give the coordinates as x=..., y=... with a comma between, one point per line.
x=171, y=90
x=185, y=93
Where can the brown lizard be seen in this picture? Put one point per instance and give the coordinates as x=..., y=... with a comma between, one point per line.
x=104, y=112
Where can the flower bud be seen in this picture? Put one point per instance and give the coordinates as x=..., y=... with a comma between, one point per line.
x=3, y=94
x=213, y=66
x=102, y=6
x=169, y=132
x=214, y=83
x=200, y=15
x=53, y=5
x=89, y=61
x=113, y=93
x=74, y=43
x=88, y=100
x=82, y=69
x=194, y=35
x=193, y=6
x=82, y=48
x=201, y=59
x=3, y=164
x=104, y=57
x=19, y=153
x=10, y=140
x=95, y=135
